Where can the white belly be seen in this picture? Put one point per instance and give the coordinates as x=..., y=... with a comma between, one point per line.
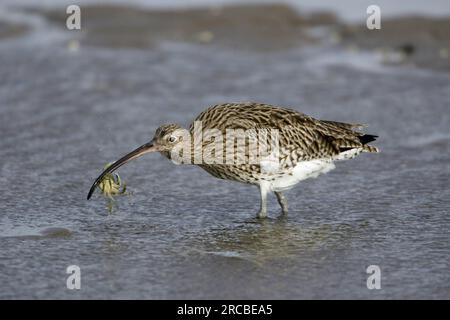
x=303, y=170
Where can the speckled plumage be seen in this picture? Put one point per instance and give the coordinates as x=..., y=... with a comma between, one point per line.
x=301, y=138
x=307, y=147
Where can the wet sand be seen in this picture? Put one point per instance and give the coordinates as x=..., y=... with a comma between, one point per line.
x=415, y=41
x=268, y=27
x=11, y=30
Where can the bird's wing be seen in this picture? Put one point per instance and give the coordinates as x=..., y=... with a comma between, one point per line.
x=309, y=138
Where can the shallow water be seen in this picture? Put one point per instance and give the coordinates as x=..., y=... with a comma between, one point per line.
x=183, y=234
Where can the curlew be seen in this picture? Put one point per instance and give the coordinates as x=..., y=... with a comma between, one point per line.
x=271, y=147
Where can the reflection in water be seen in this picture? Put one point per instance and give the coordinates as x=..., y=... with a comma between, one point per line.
x=262, y=240
x=34, y=234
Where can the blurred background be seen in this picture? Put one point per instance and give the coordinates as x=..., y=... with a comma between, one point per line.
x=73, y=100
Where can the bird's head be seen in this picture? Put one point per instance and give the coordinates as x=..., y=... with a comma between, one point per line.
x=165, y=139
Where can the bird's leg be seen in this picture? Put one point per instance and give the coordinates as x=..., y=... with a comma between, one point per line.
x=282, y=200
x=263, y=189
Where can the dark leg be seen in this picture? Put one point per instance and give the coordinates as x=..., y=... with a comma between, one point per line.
x=282, y=200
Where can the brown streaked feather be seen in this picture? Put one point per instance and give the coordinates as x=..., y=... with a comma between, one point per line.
x=302, y=137
x=297, y=130
x=349, y=126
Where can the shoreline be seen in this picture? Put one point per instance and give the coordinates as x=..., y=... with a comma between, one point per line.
x=412, y=41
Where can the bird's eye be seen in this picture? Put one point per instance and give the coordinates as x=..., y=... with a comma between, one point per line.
x=172, y=139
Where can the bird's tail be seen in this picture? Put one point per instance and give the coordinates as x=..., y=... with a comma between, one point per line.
x=365, y=139
x=350, y=128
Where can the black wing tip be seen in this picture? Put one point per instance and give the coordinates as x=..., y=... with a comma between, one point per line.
x=365, y=139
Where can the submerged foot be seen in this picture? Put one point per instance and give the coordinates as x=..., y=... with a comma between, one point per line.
x=261, y=214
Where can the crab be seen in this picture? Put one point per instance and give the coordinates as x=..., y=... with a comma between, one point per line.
x=111, y=185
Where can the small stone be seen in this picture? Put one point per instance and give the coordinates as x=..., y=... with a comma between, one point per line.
x=353, y=48
x=336, y=38
x=443, y=53
x=73, y=46
x=205, y=36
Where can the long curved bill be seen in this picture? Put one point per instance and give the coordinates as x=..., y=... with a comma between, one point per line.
x=146, y=148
